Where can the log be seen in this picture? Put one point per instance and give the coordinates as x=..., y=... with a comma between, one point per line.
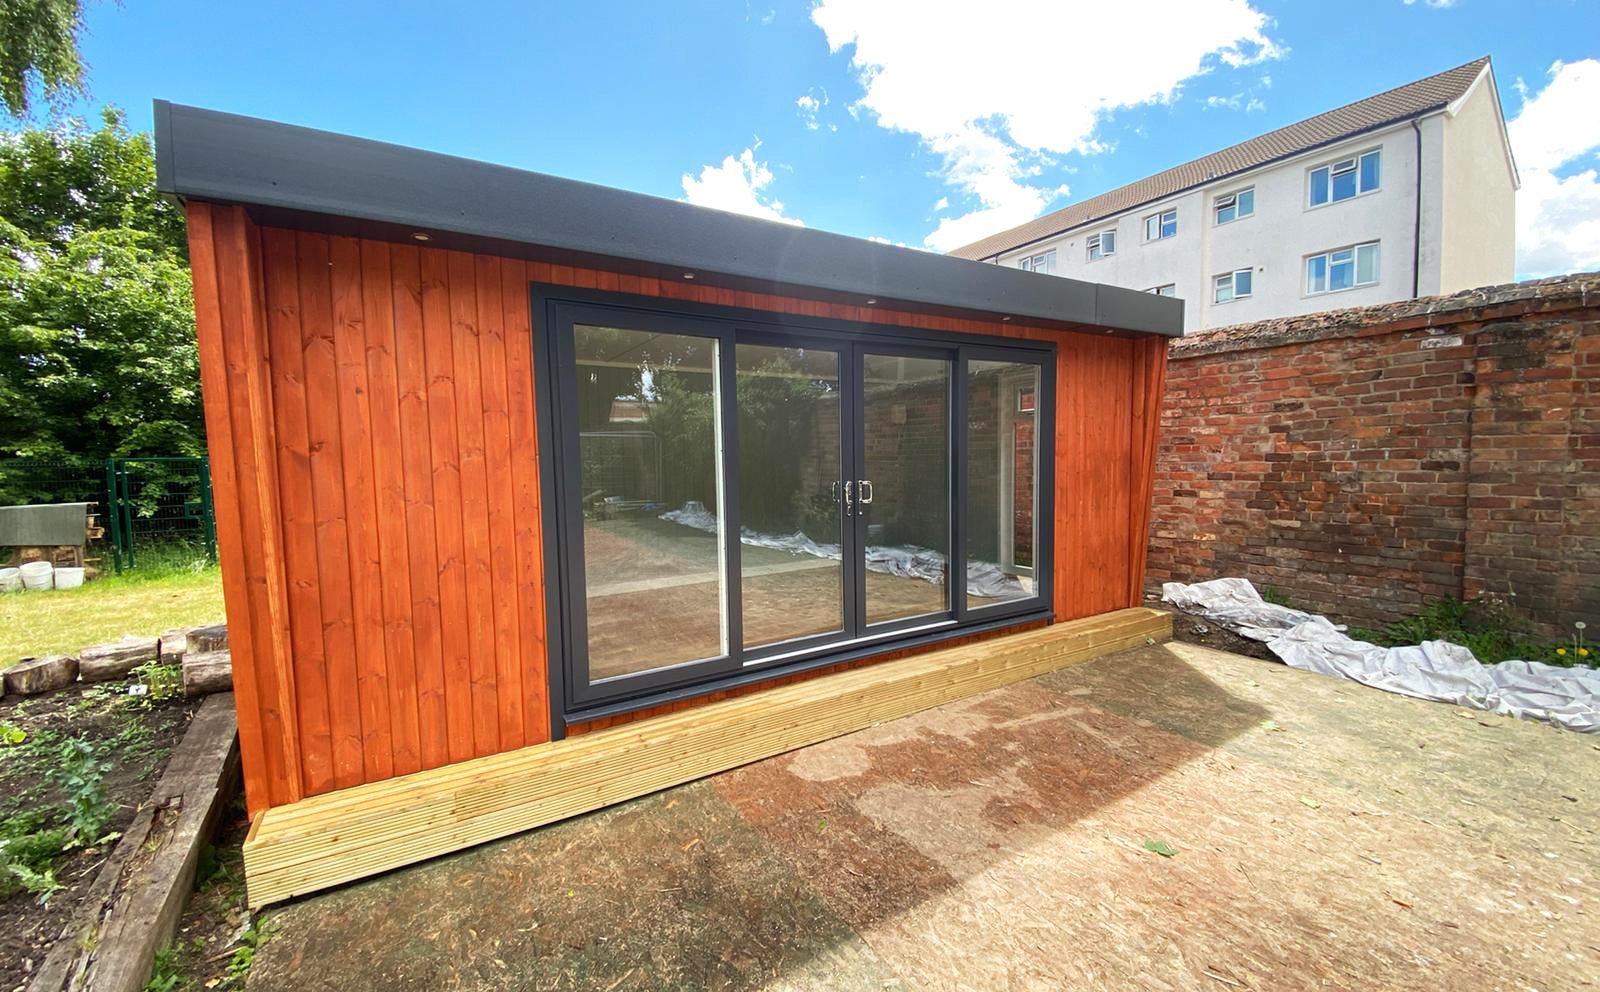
x=105, y=662
x=31, y=676
x=206, y=673
x=173, y=645
x=212, y=637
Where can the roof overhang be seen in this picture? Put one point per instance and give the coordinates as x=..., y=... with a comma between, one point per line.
x=304, y=177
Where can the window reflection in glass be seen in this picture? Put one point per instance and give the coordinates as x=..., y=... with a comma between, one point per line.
x=648, y=439
x=1002, y=481
x=906, y=424
x=790, y=513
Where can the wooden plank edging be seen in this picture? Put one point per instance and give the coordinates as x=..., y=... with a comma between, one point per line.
x=352, y=833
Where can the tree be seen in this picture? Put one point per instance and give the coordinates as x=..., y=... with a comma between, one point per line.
x=39, y=46
x=97, y=345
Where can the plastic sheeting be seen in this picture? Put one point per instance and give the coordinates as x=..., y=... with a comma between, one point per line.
x=984, y=579
x=1437, y=670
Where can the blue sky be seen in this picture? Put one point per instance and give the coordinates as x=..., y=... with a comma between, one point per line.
x=917, y=121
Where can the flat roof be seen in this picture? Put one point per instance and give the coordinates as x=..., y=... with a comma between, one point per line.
x=210, y=155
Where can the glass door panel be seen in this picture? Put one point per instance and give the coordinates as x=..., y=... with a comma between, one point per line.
x=1002, y=480
x=902, y=496
x=791, y=519
x=649, y=445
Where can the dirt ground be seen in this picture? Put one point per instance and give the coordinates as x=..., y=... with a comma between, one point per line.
x=136, y=734
x=1321, y=835
x=1192, y=628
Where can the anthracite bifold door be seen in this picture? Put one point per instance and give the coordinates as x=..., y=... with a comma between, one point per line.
x=735, y=499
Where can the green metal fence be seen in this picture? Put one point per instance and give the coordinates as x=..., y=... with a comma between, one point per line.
x=143, y=505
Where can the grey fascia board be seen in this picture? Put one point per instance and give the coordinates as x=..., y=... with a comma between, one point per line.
x=210, y=155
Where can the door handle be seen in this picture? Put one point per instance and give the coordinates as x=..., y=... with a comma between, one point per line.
x=866, y=492
x=848, y=496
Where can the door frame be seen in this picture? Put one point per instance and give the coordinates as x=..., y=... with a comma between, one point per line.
x=572, y=698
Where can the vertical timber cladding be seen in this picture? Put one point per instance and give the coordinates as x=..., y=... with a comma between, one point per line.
x=371, y=414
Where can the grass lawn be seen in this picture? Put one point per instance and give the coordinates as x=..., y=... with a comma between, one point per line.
x=166, y=591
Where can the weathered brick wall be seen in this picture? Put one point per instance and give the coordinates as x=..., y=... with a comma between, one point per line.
x=1367, y=461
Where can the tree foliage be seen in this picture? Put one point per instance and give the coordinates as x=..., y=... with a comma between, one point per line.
x=97, y=346
x=39, y=47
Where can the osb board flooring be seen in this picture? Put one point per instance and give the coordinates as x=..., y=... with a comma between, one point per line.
x=1328, y=836
x=354, y=833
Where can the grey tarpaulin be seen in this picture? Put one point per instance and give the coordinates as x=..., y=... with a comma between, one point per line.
x=1437, y=670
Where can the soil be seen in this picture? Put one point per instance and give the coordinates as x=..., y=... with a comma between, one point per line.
x=1192, y=628
x=136, y=733
x=216, y=923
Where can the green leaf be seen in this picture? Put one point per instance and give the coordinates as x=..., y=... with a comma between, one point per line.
x=1161, y=847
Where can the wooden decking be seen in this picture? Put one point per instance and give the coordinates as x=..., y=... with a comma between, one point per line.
x=355, y=832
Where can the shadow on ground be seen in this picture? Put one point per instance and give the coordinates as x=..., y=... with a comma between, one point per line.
x=1327, y=836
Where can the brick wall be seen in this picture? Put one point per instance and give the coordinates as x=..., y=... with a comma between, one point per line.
x=1366, y=461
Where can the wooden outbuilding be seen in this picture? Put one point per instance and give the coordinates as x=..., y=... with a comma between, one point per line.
x=534, y=495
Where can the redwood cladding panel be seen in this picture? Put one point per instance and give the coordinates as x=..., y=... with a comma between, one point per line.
x=384, y=565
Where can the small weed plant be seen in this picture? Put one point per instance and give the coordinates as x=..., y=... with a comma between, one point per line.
x=1488, y=626
x=245, y=954
x=1274, y=595
x=27, y=850
x=80, y=772
x=160, y=681
x=164, y=973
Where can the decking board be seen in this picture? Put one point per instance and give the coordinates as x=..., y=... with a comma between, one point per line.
x=341, y=836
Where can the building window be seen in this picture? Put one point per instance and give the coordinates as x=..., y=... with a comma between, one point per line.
x=1162, y=225
x=1231, y=286
x=1102, y=244
x=1235, y=205
x=1346, y=178
x=1043, y=262
x=1342, y=268
x=1170, y=289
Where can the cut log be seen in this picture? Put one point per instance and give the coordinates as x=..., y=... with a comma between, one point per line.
x=105, y=662
x=31, y=676
x=207, y=673
x=212, y=637
x=173, y=645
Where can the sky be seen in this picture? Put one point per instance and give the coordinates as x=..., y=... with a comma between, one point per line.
x=929, y=123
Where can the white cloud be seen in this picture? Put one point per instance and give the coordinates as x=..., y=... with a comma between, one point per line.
x=1238, y=101
x=736, y=185
x=987, y=88
x=1556, y=139
x=943, y=203
x=809, y=106
x=1436, y=4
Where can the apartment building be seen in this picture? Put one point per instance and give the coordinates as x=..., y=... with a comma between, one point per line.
x=1411, y=192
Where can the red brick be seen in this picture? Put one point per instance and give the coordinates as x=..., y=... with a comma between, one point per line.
x=1412, y=472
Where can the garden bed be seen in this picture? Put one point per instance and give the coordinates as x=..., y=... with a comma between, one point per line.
x=74, y=767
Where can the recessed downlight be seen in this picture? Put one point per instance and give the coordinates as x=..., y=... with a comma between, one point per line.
x=418, y=235
x=688, y=275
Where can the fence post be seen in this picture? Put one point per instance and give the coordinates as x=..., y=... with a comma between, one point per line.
x=126, y=503
x=113, y=517
x=206, y=509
